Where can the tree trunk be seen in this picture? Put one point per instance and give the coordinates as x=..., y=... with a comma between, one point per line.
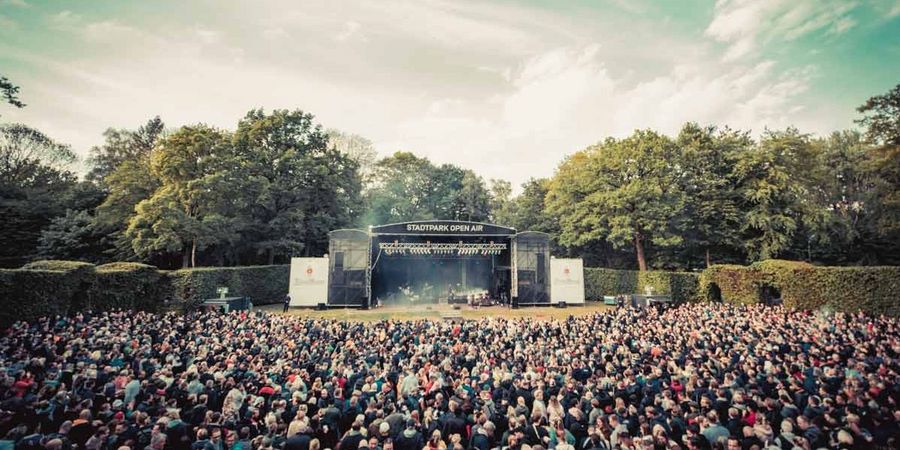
x=271, y=257
x=194, y=253
x=185, y=258
x=639, y=249
x=708, y=259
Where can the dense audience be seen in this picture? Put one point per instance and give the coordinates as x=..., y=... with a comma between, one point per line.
x=695, y=376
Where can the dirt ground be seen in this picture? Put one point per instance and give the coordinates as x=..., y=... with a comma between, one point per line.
x=438, y=312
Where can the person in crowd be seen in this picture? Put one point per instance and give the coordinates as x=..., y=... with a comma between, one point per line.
x=696, y=376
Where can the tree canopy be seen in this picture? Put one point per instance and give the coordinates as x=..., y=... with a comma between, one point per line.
x=275, y=185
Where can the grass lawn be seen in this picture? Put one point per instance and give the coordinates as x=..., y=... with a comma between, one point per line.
x=435, y=312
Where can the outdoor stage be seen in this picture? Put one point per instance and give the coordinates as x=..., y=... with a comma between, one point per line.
x=439, y=312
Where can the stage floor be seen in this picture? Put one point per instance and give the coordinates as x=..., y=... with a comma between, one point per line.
x=438, y=312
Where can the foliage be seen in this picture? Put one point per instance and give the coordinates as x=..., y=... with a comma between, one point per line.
x=128, y=286
x=263, y=284
x=58, y=265
x=51, y=287
x=10, y=92
x=598, y=282
x=29, y=294
x=121, y=146
x=406, y=187
x=622, y=191
x=882, y=119
x=807, y=287
x=359, y=149
x=299, y=188
x=34, y=184
x=73, y=236
x=712, y=213
x=730, y=283
x=186, y=213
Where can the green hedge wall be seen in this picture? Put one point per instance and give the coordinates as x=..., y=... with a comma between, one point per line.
x=737, y=284
x=128, y=286
x=804, y=286
x=29, y=294
x=44, y=288
x=682, y=286
x=263, y=284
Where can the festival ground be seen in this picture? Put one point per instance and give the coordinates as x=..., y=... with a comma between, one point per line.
x=439, y=312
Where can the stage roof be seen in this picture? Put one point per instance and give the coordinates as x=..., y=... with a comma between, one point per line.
x=443, y=228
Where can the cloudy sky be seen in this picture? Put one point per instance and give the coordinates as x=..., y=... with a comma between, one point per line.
x=504, y=88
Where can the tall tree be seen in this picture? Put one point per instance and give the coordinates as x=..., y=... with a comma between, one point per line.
x=774, y=180
x=359, y=149
x=10, y=92
x=34, y=183
x=881, y=118
x=500, y=192
x=623, y=191
x=302, y=188
x=186, y=212
x=882, y=127
x=401, y=189
x=712, y=214
x=121, y=146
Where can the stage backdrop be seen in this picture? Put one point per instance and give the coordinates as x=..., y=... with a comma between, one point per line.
x=309, y=281
x=566, y=280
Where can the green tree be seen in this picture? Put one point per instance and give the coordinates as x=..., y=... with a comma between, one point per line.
x=73, y=236
x=881, y=118
x=359, y=149
x=10, y=92
x=189, y=211
x=622, y=191
x=712, y=216
x=500, y=192
x=35, y=182
x=401, y=189
x=301, y=187
x=121, y=146
x=774, y=180
x=882, y=129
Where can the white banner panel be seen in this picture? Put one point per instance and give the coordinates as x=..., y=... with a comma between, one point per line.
x=567, y=280
x=309, y=281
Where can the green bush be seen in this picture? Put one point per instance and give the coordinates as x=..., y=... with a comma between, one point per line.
x=682, y=286
x=128, y=286
x=804, y=286
x=263, y=284
x=737, y=284
x=599, y=282
x=29, y=294
x=47, y=288
x=57, y=265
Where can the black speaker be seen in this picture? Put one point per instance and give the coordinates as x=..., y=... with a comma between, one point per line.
x=515, y=302
x=561, y=305
x=321, y=307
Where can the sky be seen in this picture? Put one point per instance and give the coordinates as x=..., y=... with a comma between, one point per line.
x=505, y=88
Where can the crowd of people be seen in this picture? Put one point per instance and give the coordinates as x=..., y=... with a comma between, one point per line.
x=695, y=376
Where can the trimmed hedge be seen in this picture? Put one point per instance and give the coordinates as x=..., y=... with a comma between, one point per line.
x=47, y=288
x=29, y=294
x=263, y=284
x=124, y=285
x=803, y=286
x=682, y=286
x=737, y=284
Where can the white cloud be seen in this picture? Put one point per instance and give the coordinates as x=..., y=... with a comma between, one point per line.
x=744, y=24
x=16, y=3
x=351, y=29
x=505, y=90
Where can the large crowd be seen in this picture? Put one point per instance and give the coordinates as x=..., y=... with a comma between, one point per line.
x=697, y=376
